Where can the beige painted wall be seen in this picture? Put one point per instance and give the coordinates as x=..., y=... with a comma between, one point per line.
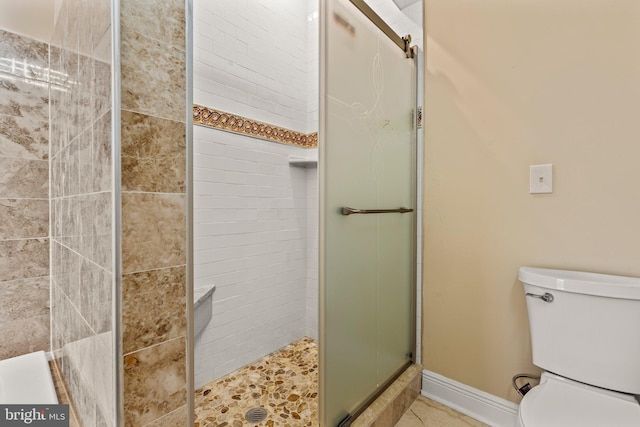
x=511, y=84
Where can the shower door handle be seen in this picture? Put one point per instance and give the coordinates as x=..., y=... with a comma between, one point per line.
x=351, y=211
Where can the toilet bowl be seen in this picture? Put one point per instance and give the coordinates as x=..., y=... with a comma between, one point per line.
x=585, y=330
x=560, y=402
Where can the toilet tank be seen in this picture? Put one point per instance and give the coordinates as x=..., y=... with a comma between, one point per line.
x=590, y=331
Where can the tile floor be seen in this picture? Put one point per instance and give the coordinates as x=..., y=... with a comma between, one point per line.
x=285, y=383
x=426, y=412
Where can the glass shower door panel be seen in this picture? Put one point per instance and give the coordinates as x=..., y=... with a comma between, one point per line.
x=367, y=162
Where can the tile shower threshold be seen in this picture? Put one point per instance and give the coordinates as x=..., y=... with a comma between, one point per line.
x=393, y=402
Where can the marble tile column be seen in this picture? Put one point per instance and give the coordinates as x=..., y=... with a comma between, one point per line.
x=24, y=195
x=153, y=159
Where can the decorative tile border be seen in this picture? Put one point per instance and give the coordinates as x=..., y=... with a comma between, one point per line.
x=217, y=119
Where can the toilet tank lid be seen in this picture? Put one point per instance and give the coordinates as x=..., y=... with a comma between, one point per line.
x=580, y=282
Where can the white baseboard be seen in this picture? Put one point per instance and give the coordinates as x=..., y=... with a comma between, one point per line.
x=482, y=406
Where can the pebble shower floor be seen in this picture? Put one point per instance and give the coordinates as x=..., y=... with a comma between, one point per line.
x=284, y=383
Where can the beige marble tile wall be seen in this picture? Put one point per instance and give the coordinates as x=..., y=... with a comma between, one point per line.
x=81, y=207
x=24, y=198
x=153, y=110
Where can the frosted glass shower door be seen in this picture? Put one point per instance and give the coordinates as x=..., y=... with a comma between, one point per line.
x=367, y=162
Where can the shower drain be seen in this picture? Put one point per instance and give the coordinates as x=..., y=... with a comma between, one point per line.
x=256, y=415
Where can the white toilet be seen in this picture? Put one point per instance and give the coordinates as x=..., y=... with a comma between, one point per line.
x=585, y=334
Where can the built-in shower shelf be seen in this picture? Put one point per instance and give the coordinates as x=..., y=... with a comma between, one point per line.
x=200, y=295
x=202, y=307
x=303, y=162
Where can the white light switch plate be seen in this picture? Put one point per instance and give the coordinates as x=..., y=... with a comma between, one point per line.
x=541, y=179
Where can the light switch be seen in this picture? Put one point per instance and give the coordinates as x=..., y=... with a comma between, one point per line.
x=541, y=179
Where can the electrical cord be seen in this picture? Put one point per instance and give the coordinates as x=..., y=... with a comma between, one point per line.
x=522, y=390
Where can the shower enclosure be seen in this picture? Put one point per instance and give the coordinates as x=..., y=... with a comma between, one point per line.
x=256, y=202
x=368, y=201
x=257, y=209
x=95, y=121
x=103, y=187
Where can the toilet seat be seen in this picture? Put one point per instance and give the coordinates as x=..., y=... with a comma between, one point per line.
x=560, y=402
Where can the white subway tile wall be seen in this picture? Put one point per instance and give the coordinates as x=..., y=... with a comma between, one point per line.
x=258, y=59
x=313, y=66
x=251, y=57
x=251, y=232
